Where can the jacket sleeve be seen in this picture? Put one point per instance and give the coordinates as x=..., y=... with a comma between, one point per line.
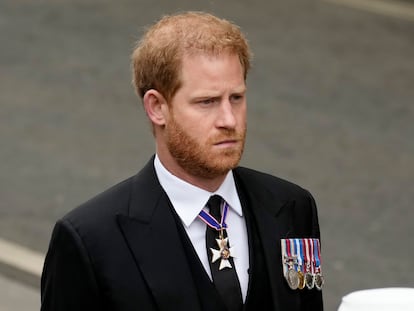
x=315, y=220
x=68, y=281
x=312, y=299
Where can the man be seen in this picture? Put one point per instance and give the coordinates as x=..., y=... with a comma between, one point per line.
x=190, y=231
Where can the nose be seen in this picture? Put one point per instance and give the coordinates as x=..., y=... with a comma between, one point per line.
x=226, y=115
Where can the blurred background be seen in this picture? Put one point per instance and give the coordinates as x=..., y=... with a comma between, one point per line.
x=331, y=107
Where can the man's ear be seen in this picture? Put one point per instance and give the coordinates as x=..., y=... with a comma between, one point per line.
x=156, y=107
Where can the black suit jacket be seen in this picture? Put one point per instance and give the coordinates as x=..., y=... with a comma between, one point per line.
x=122, y=250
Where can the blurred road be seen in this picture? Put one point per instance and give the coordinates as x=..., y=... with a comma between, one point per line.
x=15, y=296
x=330, y=107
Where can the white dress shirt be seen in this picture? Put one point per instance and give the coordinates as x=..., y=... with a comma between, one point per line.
x=188, y=200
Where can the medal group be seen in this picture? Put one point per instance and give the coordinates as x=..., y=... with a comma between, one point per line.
x=301, y=260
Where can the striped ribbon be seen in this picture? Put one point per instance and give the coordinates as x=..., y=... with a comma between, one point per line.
x=212, y=222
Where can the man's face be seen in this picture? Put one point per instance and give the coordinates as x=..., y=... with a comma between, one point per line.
x=206, y=128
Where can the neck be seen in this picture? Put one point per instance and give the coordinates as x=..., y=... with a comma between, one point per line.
x=210, y=184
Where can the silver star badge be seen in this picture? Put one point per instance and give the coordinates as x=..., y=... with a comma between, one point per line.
x=224, y=252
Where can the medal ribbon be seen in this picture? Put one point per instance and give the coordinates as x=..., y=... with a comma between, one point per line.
x=307, y=256
x=312, y=253
x=303, y=252
x=319, y=252
x=316, y=249
x=298, y=253
x=289, y=253
x=293, y=252
x=212, y=222
x=285, y=256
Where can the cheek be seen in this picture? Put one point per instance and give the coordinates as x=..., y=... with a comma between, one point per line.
x=195, y=125
x=241, y=115
x=199, y=132
x=195, y=129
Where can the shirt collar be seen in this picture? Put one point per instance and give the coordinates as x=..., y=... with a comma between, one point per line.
x=188, y=200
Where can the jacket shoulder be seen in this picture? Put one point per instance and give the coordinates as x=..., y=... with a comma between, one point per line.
x=103, y=206
x=269, y=183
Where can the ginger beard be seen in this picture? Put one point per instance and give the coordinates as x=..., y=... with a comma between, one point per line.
x=204, y=160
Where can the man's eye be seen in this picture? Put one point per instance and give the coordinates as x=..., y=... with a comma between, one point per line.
x=208, y=101
x=236, y=98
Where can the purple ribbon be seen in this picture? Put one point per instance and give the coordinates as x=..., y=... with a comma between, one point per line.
x=212, y=222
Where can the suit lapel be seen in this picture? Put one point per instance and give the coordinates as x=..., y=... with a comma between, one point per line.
x=272, y=229
x=273, y=218
x=151, y=233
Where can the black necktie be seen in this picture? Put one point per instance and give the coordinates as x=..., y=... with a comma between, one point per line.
x=225, y=280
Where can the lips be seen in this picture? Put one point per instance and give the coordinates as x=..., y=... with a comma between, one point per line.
x=227, y=142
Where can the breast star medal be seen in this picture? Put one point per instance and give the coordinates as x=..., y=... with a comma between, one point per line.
x=224, y=253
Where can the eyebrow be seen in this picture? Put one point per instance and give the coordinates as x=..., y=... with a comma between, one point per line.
x=214, y=94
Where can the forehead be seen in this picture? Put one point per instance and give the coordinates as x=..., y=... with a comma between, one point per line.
x=211, y=70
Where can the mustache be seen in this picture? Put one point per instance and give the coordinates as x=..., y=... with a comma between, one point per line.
x=228, y=134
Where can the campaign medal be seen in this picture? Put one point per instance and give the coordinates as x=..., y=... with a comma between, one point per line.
x=299, y=252
x=289, y=261
x=302, y=282
x=309, y=280
x=319, y=280
x=224, y=252
x=292, y=278
x=309, y=275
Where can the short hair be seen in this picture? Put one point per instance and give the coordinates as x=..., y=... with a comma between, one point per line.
x=157, y=57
